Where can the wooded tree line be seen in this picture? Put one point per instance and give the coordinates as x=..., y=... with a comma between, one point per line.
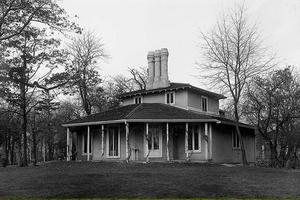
x=38, y=69
x=261, y=92
x=45, y=82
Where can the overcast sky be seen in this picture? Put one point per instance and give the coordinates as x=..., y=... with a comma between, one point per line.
x=131, y=28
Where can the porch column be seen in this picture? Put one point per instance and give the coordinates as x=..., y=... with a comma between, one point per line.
x=210, y=140
x=102, y=140
x=186, y=140
x=68, y=144
x=147, y=148
x=88, y=143
x=127, y=141
x=168, y=153
x=206, y=141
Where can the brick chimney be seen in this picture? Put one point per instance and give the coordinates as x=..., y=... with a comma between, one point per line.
x=150, y=58
x=158, y=69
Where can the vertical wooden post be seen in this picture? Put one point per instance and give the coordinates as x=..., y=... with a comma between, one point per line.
x=102, y=140
x=186, y=140
x=210, y=140
x=127, y=141
x=206, y=142
x=147, y=148
x=168, y=153
x=88, y=143
x=68, y=146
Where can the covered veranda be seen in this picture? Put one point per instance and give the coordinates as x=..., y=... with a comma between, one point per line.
x=141, y=132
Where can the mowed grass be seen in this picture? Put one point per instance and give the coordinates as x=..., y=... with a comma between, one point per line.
x=154, y=180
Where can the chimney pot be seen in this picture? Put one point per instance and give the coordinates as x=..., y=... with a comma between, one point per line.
x=150, y=79
x=164, y=67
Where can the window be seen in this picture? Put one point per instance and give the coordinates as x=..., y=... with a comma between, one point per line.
x=113, y=141
x=84, y=143
x=137, y=100
x=235, y=140
x=170, y=97
x=153, y=142
x=204, y=104
x=194, y=138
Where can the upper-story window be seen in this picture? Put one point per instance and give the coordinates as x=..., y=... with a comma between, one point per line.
x=170, y=97
x=138, y=100
x=204, y=104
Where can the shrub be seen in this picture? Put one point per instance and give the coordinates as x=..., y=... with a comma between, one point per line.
x=4, y=162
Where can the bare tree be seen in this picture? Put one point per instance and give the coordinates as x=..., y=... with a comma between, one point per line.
x=234, y=53
x=272, y=104
x=17, y=15
x=137, y=80
x=139, y=76
x=85, y=52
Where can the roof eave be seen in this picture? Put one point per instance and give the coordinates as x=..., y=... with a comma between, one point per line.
x=140, y=120
x=151, y=92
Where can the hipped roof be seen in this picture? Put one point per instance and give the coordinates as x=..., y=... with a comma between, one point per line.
x=148, y=112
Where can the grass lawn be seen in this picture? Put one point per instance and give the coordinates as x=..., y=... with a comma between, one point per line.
x=158, y=180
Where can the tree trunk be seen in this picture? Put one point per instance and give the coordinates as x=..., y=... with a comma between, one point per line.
x=12, y=147
x=273, y=151
x=237, y=127
x=24, y=132
x=23, y=105
x=20, y=156
x=6, y=145
x=34, y=153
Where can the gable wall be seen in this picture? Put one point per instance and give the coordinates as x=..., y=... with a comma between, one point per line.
x=222, y=150
x=180, y=98
x=194, y=102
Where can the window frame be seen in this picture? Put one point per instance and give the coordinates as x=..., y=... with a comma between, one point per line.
x=166, y=97
x=235, y=140
x=107, y=142
x=83, y=142
x=154, y=153
x=193, y=139
x=204, y=97
x=138, y=97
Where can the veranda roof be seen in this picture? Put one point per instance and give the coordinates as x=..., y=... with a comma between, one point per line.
x=147, y=112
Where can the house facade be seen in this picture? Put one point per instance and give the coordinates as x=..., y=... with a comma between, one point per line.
x=165, y=122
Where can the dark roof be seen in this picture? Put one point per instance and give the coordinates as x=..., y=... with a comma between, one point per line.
x=164, y=111
x=112, y=114
x=148, y=111
x=173, y=86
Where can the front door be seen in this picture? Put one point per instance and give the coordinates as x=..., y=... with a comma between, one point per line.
x=154, y=141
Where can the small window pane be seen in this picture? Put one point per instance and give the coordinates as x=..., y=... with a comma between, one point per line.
x=111, y=142
x=168, y=98
x=237, y=141
x=204, y=104
x=116, y=142
x=190, y=140
x=90, y=144
x=85, y=143
x=150, y=140
x=172, y=98
x=196, y=138
x=155, y=140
